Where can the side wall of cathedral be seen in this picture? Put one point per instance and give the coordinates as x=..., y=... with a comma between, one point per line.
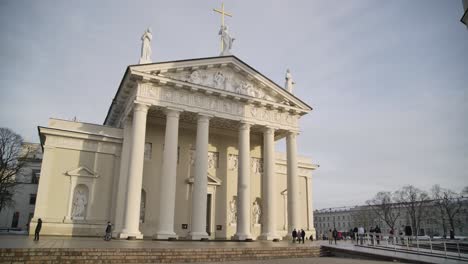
x=80, y=162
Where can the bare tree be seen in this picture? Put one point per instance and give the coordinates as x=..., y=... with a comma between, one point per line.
x=464, y=192
x=386, y=208
x=449, y=204
x=414, y=202
x=12, y=160
x=364, y=217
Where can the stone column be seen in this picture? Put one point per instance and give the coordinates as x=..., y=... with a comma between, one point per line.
x=123, y=178
x=167, y=182
x=243, y=185
x=135, y=174
x=200, y=185
x=268, y=186
x=293, y=201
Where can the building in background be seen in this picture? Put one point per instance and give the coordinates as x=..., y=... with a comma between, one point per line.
x=344, y=219
x=20, y=213
x=464, y=18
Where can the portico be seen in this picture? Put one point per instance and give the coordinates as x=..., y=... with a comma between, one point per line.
x=249, y=109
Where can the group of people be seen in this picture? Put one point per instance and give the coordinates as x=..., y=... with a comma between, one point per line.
x=332, y=235
x=299, y=236
x=107, y=237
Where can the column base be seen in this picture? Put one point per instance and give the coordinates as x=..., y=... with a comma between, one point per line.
x=242, y=237
x=269, y=236
x=198, y=236
x=129, y=235
x=165, y=236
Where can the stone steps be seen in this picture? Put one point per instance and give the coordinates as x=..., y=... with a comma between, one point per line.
x=151, y=255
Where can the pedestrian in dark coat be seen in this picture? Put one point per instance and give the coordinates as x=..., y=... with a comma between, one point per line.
x=303, y=236
x=335, y=234
x=408, y=233
x=38, y=229
x=108, y=236
x=377, y=234
x=294, y=235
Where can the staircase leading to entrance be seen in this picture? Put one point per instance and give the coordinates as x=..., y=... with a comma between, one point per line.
x=151, y=255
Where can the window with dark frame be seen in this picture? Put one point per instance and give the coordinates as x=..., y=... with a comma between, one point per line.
x=32, y=198
x=35, y=176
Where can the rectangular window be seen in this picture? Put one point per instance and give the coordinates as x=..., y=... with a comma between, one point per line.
x=35, y=176
x=32, y=198
x=148, y=150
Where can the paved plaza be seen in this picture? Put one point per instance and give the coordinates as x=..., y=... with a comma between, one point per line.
x=21, y=241
x=9, y=241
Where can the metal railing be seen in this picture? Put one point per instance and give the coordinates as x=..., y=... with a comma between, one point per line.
x=427, y=246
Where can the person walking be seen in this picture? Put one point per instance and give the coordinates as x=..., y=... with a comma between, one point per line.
x=372, y=231
x=38, y=229
x=330, y=236
x=303, y=236
x=108, y=236
x=408, y=234
x=335, y=234
x=361, y=232
x=392, y=236
x=377, y=234
x=294, y=235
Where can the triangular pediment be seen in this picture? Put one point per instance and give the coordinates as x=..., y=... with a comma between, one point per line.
x=82, y=171
x=212, y=180
x=228, y=74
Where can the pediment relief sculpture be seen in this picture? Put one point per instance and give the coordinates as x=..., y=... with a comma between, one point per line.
x=223, y=79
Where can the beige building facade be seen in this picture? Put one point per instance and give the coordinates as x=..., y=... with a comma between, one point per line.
x=187, y=151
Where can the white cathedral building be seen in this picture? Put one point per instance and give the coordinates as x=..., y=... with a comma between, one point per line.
x=187, y=151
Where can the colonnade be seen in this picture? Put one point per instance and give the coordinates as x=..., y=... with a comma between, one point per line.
x=166, y=194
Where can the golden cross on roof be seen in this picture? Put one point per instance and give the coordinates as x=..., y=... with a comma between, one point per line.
x=223, y=13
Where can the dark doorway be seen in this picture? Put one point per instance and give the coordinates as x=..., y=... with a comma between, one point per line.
x=208, y=214
x=14, y=222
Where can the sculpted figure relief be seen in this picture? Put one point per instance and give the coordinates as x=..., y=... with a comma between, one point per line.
x=80, y=201
x=256, y=212
x=213, y=160
x=232, y=162
x=218, y=80
x=232, y=211
x=257, y=165
x=195, y=77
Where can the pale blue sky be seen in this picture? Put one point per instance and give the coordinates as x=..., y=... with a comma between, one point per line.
x=388, y=80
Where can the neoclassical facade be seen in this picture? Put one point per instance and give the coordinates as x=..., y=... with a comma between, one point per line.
x=187, y=150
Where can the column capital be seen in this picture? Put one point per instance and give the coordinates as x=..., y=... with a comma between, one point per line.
x=140, y=107
x=268, y=129
x=204, y=116
x=292, y=132
x=244, y=125
x=172, y=111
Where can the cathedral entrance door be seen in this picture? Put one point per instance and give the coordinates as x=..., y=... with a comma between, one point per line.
x=208, y=214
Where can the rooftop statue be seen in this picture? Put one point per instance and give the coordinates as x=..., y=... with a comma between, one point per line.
x=146, y=47
x=226, y=39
